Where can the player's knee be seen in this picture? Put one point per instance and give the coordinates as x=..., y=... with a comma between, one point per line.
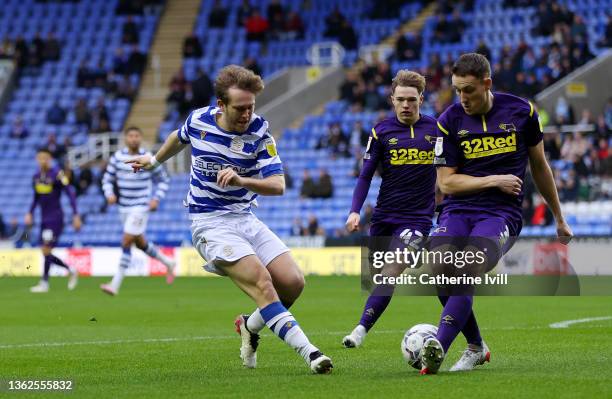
x=46, y=250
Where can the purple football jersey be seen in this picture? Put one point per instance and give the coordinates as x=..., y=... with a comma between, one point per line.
x=495, y=143
x=407, y=192
x=48, y=188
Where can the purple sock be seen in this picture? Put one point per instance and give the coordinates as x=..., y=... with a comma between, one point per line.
x=375, y=305
x=454, y=316
x=57, y=261
x=470, y=330
x=46, y=268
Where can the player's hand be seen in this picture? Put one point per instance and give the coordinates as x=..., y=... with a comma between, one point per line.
x=509, y=184
x=77, y=222
x=153, y=204
x=564, y=232
x=228, y=177
x=352, y=223
x=111, y=200
x=141, y=162
x=28, y=219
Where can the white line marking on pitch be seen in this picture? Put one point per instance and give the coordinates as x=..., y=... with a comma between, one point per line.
x=224, y=337
x=567, y=323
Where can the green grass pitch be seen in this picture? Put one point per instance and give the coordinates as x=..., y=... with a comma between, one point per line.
x=159, y=341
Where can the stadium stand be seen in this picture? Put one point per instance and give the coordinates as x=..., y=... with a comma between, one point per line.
x=582, y=162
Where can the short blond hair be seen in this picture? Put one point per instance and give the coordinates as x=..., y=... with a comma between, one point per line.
x=239, y=77
x=408, y=78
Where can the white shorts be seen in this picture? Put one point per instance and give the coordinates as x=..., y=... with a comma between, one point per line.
x=231, y=237
x=134, y=223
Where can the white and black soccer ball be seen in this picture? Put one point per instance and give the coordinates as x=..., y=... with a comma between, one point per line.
x=413, y=341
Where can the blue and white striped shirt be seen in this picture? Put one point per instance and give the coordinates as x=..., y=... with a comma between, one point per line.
x=252, y=153
x=135, y=189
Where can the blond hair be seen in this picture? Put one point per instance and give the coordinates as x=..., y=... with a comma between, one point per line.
x=408, y=78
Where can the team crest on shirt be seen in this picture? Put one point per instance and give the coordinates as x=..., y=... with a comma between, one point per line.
x=237, y=145
x=508, y=127
x=429, y=138
x=202, y=135
x=462, y=133
x=393, y=141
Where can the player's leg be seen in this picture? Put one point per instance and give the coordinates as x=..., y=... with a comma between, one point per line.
x=153, y=251
x=452, y=230
x=381, y=295
x=125, y=261
x=250, y=275
x=50, y=233
x=493, y=236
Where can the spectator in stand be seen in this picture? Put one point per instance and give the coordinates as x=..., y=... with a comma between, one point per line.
x=606, y=40
x=56, y=115
x=81, y=114
x=275, y=9
x=120, y=62
x=408, y=47
x=57, y=150
x=297, y=228
x=203, y=90
x=358, y=137
x=52, y=48
x=7, y=49
x=22, y=52
x=313, y=228
x=308, y=185
x=192, y=48
x=251, y=63
x=324, y=187
x=484, y=50
x=98, y=114
x=131, y=32
x=245, y=10
x=36, y=51
x=333, y=22
x=84, y=180
x=137, y=61
x=335, y=141
x=347, y=36
x=294, y=27
x=19, y=130
x=174, y=100
x=218, y=15
x=256, y=27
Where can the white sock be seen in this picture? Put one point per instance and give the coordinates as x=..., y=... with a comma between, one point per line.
x=283, y=324
x=255, y=323
x=359, y=331
x=124, y=263
x=154, y=252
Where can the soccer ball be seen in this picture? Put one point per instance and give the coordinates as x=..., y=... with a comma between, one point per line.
x=413, y=341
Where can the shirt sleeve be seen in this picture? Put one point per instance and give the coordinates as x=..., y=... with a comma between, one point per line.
x=268, y=161
x=162, y=180
x=371, y=158
x=110, y=176
x=533, y=129
x=446, y=148
x=183, y=132
x=64, y=182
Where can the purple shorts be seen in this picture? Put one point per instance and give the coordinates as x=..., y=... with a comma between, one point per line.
x=494, y=234
x=50, y=231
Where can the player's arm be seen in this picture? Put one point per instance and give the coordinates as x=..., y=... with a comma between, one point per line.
x=453, y=183
x=28, y=219
x=172, y=146
x=271, y=185
x=108, y=180
x=71, y=193
x=370, y=163
x=545, y=182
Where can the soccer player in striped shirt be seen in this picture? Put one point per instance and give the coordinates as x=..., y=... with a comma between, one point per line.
x=136, y=199
x=233, y=160
x=403, y=144
x=48, y=184
x=482, y=149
